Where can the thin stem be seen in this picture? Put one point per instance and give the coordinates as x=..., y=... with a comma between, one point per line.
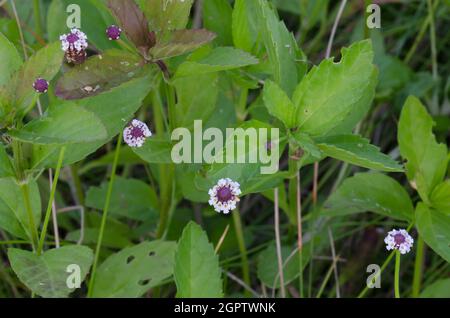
x=54, y=212
x=37, y=17
x=435, y=102
x=105, y=214
x=50, y=201
x=333, y=30
x=397, y=275
x=242, y=249
x=333, y=254
x=383, y=267
x=278, y=242
x=19, y=26
x=32, y=225
x=300, y=233
x=418, y=268
x=366, y=15
x=78, y=188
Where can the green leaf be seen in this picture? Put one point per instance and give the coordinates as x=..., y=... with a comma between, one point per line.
x=13, y=214
x=45, y=64
x=47, y=275
x=166, y=15
x=6, y=168
x=155, y=151
x=135, y=270
x=426, y=159
x=11, y=60
x=267, y=267
x=197, y=273
x=434, y=227
x=245, y=27
x=133, y=22
x=180, y=42
x=439, y=289
x=334, y=97
x=307, y=144
x=278, y=104
x=286, y=59
x=219, y=59
x=440, y=198
x=100, y=73
x=217, y=18
x=372, y=192
x=62, y=124
x=357, y=151
x=131, y=198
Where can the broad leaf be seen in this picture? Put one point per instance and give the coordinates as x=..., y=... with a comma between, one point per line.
x=219, y=59
x=217, y=18
x=372, y=192
x=358, y=151
x=439, y=289
x=13, y=213
x=180, y=42
x=135, y=270
x=426, y=159
x=131, y=198
x=62, y=124
x=6, y=168
x=434, y=228
x=99, y=73
x=334, y=97
x=48, y=275
x=45, y=64
x=11, y=60
x=286, y=59
x=278, y=104
x=166, y=15
x=245, y=24
x=197, y=273
x=155, y=151
x=133, y=22
x=440, y=198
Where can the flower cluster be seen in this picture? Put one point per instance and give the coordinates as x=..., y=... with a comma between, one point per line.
x=224, y=195
x=113, y=32
x=136, y=133
x=40, y=85
x=75, y=45
x=399, y=240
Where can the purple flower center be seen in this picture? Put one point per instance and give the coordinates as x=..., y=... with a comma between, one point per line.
x=40, y=85
x=137, y=132
x=399, y=239
x=113, y=32
x=72, y=38
x=224, y=194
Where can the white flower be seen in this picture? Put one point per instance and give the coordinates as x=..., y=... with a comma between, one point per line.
x=74, y=41
x=224, y=195
x=136, y=133
x=399, y=240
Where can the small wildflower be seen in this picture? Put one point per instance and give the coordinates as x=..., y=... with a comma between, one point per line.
x=75, y=45
x=135, y=134
x=224, y=195
x=399, y=240
x=113, y=32
x=40, y=85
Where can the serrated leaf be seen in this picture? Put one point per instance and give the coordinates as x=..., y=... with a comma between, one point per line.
x=45, y=63
x=100, y=73
x=440, y=198
x=434, y=227
x=6, y=168
x=133, y=271
x=60, y=125
x=279, y=104
x=11, y=60
x=166, y=15
x=13, y=213
x=180, y=42
x=373, y=192
x=357, y=151
x=219, y=59
x=426, y=159
x=197, y=273
x=333, y=97
x=47, y=275
x=134, y=23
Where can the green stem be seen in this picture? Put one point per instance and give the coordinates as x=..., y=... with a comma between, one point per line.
x=325, y=281
x=50, y=201
x=418, y=267
x=166, y=186
x=37, y=17
x=397, y=275
x=32, y=225
x=171, y=100
x=105, y=215
x=435, y=101
x=242, y=249
x=77, y=183
x=366, y=15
